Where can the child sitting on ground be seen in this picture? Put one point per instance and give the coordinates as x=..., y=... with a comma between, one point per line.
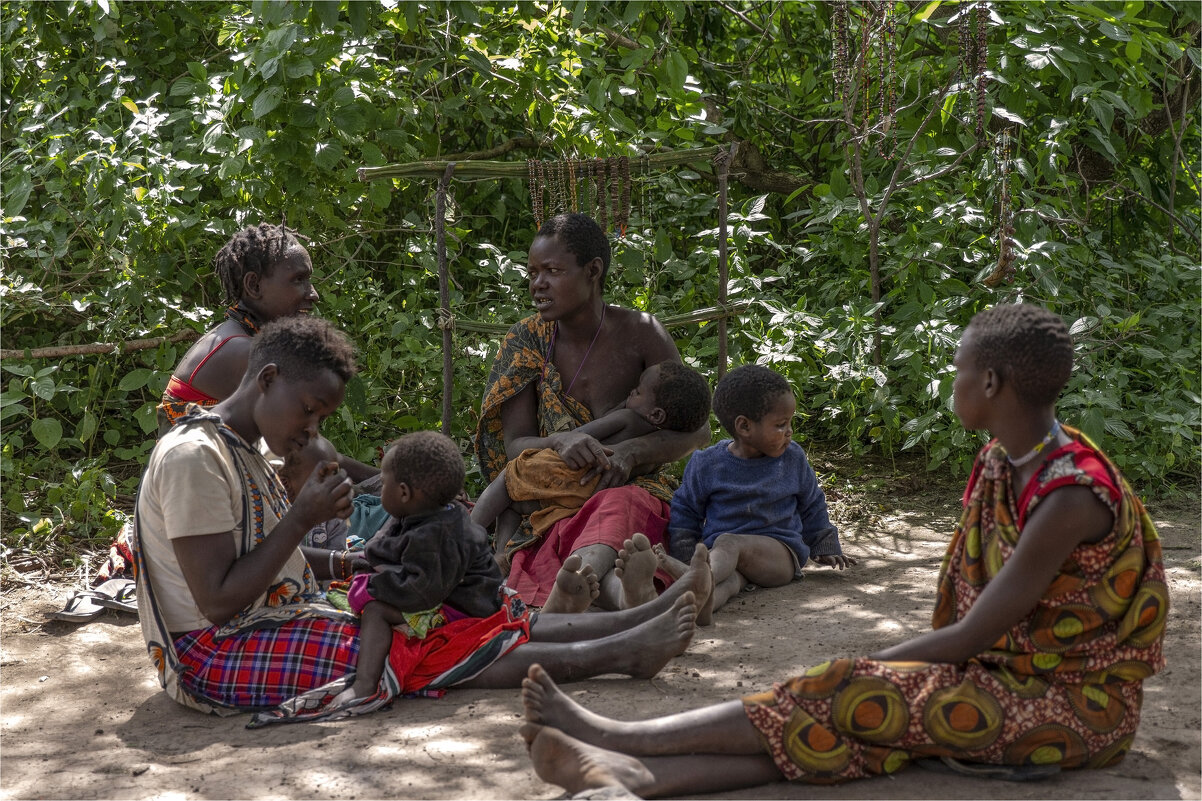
x=753, y=499
x=430, y=572
x=539, y=483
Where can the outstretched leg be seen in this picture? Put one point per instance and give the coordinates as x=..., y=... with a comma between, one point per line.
x=577, y=766
x=719, y=729
x=639, y=652
x=576, y=587
x=591, y=625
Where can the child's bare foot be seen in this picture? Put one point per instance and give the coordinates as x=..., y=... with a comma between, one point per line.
x=575, y=587
x=635, y=566
x=575, y=766
x=668, y=563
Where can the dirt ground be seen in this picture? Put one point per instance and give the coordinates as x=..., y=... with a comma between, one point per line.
x=81, y=715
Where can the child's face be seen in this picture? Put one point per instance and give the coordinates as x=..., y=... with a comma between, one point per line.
x=642, y=398
x=399, y=500
x=287, y=289
x=772, y=433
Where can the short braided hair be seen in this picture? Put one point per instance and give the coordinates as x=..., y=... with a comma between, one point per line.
x=254, y=249
x=684, y=395
x=1026, y=345
x=428, y=461
x=582, y=237
x=749, y=391
x=301, y=347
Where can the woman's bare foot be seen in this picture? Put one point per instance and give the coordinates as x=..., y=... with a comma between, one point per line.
x=650, y=645
x=546, y=704
x=698, y=578
x=635, y=566
x=575, y=766
x=575, y=587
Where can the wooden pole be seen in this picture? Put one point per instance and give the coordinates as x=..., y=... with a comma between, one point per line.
x=444, y=296
x=514, y=169
x=723, y=161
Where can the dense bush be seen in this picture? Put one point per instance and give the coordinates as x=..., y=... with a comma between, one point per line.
x=137, y=137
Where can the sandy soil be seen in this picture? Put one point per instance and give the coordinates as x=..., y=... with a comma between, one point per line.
x=82, y=717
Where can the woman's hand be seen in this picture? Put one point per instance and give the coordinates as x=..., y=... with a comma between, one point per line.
x=579, y=451
x=617, y=473
x=326, y=495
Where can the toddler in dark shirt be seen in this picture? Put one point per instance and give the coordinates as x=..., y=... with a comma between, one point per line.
x=428, y=558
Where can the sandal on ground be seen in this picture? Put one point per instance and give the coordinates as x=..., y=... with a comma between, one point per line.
x=86, y=605
x=982, y=770
x=82, y=607
x=119, y=594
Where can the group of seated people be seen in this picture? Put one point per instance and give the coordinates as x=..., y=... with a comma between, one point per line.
x=585, y=556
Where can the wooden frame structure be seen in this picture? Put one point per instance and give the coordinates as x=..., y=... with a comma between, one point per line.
x=444, y=171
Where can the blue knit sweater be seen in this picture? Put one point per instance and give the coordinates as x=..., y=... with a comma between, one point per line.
x=722, y=493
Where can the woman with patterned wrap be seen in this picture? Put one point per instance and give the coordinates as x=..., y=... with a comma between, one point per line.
x=1050, y=614
x=573, y=361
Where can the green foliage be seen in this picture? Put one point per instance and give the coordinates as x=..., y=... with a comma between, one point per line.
x=137, y=137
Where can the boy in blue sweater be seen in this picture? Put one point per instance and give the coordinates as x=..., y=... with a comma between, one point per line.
x=753, y=499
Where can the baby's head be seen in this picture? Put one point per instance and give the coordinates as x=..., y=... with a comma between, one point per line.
x=1028, y=346
x=421, y=472
x=672, y=396
x=756, y=406
x=299, y=464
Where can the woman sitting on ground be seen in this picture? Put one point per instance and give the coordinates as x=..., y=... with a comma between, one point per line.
x=1049, y=615
x=573, y=361
x=230, y=609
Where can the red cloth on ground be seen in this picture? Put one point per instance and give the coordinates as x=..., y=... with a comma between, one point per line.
x=458, y=650
x=608, y=518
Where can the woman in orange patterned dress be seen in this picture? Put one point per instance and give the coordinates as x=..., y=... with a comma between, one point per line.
x=1050, y=614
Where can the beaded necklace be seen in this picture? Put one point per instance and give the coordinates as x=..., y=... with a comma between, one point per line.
x=1034, y=452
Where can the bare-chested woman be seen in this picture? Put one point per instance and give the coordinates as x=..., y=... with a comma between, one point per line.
x=575, y=360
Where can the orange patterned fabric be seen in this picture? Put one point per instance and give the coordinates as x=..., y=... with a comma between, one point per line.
x=1063, y=686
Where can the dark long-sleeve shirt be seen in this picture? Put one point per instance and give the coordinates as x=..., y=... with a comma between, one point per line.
x=440, y=557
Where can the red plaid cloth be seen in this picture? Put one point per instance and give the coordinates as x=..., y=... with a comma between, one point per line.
x=262, y=669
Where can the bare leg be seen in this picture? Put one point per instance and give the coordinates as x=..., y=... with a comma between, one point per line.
x=639, y=652
x=726, y=589
x=737, y=559
x=375, y=641
x=575, y=588
x=719, y=729
x=635, y=567
x=577, y=766
x=591, y=625
x=759, y=559
x=492, y=502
